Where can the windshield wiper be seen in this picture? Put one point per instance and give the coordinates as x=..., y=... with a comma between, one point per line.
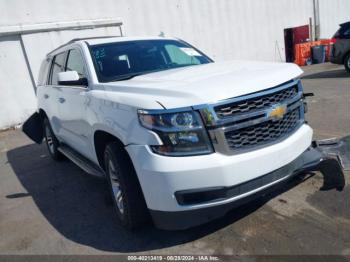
x=130, y=76
x=127, y=77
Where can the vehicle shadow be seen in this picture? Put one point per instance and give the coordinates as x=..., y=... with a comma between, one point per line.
x=340, y=73
x=78, y=207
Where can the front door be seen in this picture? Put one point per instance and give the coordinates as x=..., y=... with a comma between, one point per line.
x=73, y=104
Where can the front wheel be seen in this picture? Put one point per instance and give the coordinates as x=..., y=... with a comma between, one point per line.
x=128, y=199
x=347, y=63
x=51, y=141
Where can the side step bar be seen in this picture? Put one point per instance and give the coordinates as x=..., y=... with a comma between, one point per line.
x=81, y=161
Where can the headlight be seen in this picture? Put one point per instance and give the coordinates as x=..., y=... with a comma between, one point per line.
x=182, y=133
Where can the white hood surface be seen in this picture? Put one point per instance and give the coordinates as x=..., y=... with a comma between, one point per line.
x=204, y=84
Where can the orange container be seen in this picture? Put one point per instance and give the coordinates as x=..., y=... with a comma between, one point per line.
x=315, y=43
x=302, y=51
x=326, y=41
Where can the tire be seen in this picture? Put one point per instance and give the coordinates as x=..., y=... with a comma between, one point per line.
x=51, y=142
x=127, y=196
x=347, y=63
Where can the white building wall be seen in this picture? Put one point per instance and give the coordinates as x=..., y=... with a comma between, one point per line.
x=17, y=98
x=333, y=13
x=224, y=29
x=20, y=60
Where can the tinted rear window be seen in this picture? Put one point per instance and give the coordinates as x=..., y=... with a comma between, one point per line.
x=343, y=32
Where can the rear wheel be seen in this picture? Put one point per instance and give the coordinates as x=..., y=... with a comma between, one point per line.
x=347, y=63
x=125, y=189
x=51, y=141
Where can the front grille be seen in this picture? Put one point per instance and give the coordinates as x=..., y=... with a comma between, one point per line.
x=256, y=103
x=263, y=133
x=249, y=122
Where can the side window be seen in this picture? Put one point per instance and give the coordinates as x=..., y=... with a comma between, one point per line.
x=75, y=63
x=347, y=32
x=56, y=67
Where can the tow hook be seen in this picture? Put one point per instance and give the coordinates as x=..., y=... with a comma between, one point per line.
x=333, y=158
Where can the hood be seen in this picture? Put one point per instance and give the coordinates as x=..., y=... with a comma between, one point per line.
x=204, y=84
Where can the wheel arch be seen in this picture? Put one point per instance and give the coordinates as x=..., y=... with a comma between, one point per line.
x=346, y=55
x=101, y=139
x=42, y=113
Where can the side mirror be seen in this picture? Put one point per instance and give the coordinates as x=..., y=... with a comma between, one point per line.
x=71, y=78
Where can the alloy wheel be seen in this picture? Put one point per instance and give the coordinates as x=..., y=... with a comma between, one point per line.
x=115, y=183
x=49, y=139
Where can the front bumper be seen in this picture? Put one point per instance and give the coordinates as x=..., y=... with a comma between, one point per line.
x=337, y=60
x=230, y=180
x=336, y=56
x=161, y=177
x=313, y=159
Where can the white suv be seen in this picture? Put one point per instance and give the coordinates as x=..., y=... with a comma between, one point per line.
x=181, y=139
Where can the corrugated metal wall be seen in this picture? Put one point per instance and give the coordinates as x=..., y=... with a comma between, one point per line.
x=20, y=60
x=333, y=13
x=17, y=98
x=224, y=29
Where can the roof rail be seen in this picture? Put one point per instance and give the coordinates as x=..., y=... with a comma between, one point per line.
x=80, y=39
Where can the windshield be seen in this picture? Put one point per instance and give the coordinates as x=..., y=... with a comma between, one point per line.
x=124, y=60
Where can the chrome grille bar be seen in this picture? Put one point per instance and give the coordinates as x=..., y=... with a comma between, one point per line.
x=254, y=127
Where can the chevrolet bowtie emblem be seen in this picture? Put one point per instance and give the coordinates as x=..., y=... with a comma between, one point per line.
x=277, y=112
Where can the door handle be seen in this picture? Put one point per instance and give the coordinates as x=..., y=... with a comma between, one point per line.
x=61, y=100
x=46, y=96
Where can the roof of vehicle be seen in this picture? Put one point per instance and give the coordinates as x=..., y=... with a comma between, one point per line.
x=96, y=41
x=345, y=24
x=108, y=39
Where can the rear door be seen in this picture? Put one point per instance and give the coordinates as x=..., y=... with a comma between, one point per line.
x=345, y=38
x=342, y=45
x=49, y=92
x=73, y=102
